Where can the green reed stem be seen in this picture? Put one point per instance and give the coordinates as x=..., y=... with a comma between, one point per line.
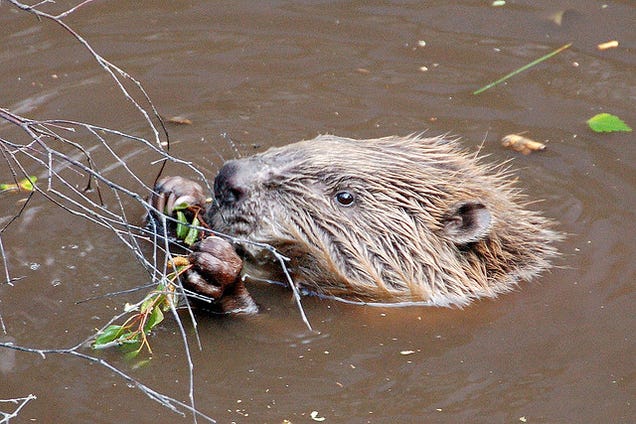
x=523, y=68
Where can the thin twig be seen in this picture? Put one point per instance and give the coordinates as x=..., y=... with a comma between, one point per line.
x=110, y=68
x=167, y=401
x=21, y=402
x=72, y=9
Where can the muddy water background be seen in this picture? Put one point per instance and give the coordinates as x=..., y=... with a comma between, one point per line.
x=270, y=73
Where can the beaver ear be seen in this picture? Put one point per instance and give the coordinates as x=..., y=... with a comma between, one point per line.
x=467, y=222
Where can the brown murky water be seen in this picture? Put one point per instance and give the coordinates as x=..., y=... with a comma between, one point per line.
x=560, y=350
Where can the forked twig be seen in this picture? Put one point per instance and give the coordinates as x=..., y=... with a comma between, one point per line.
x=21, y=402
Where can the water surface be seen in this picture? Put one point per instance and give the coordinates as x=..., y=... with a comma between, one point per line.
x=558, y=350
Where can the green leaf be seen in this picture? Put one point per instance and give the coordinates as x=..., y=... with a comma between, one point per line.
x=606, y=122
x=129, y=356
x=109, y=335
x=148, y=302
x=25, y=184
x=28, y=184
x=193, y=233
x=182, y=225
x=155, y=317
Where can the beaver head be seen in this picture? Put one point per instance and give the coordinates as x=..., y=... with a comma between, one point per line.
x=390, y=219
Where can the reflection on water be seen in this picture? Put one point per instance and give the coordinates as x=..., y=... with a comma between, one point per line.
x=269, y=73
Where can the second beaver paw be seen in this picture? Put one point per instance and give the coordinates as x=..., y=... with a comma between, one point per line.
x=216, y=274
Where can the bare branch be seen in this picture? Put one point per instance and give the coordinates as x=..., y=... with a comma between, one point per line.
x=21, y=402
x=72, y=9
x=166, y=401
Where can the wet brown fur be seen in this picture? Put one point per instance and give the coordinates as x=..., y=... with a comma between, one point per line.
x=395, y=242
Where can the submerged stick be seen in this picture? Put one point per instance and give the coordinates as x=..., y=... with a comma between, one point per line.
x=523, y=68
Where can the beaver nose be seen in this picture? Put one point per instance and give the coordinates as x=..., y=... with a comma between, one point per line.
x=231, y=184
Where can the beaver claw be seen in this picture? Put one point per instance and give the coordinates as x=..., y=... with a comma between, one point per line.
x=215, y=273
x=172, y=191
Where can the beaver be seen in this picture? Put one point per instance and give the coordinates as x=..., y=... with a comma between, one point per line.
x=394, y=219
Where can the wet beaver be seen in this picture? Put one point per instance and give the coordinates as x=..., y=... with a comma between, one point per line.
x=381, y=220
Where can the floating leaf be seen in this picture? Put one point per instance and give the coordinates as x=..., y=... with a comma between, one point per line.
x=140, y=363
x=25, y=184
x=606, y=122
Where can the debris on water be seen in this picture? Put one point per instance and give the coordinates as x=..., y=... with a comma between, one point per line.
x=314, y=416
x=522, y=144
x=557, y=17
x=608, y=45
x=523, y=68
x=179, y=120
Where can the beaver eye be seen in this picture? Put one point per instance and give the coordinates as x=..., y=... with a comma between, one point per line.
x=344, y=198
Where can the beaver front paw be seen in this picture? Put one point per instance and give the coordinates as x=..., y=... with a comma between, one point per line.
x=174, y=191
x=216, y=273
x=172, y=194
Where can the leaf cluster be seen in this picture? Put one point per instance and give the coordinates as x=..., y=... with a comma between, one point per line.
x=148, y=313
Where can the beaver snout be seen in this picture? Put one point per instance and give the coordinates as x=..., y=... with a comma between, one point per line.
x=231, y=184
